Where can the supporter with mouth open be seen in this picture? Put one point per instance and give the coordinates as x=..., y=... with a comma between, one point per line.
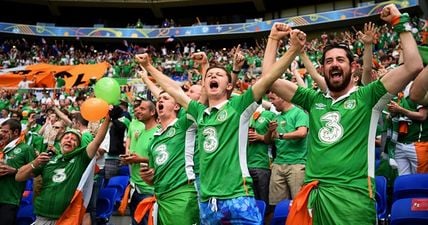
x=226, y=192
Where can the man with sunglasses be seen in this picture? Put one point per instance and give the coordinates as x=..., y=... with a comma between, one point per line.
x=340, y=166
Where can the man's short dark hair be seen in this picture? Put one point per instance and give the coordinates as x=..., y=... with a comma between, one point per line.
x=81, y=120
x=124, y=104
x=13, y=125
x=229, y=77
x=343, y=46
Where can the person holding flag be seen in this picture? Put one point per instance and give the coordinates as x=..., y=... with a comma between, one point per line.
x=62, y=174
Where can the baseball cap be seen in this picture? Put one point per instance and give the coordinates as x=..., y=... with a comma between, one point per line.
x=75, y=132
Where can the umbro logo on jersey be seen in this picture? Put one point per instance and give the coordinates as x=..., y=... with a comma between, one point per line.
x=319, y=105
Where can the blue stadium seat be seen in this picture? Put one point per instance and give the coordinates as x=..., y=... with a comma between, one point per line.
x=120, y=183
x=105, y=204
x=381, y=198
x=25, y=215
x=29, y=185
x=262, y=207
x=27, y=198
x=124, y=170
x=280, y=213
x=411, y=186
x=408, y=211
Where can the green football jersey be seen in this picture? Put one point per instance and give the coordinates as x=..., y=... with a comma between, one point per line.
x=342, y=134
x=141, y=148
x=257, y=153
x=417, y=130
x=291, y=151
x=222, y=136
x=35, y=140
x=87, y=137
x=167, y=156
x=60, y=177
x=11, y=190
x=135, y=129
x=4, y=103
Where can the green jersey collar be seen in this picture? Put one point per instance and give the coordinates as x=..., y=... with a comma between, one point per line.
x=353, y=89
x=218, y=107
x=160, y=131
x=11, y=145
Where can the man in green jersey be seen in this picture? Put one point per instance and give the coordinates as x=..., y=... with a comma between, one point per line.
x=288, y=131
x=168, y=169
x=257, y=153
x=140, y=137
x=410, y=125
x=341, y=148
x=13, y=155
x=61, y=173
x=226, y=191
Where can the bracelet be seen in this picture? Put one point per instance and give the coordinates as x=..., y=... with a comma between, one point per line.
x=32, y=165
x=395, y=20
x=401, y=23
x=274, y=38
x=236, y=71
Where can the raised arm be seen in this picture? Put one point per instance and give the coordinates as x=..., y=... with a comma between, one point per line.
x=149, y=83
x=299, y=81
x=297, y=41
x=164, y=81
x=99, y=137
x=202, y=59
x=419, y=89
x=367, y=38
x=62, y=116
x=313, y=72
x=277, y=33
x=238, y=62
x=396, y=79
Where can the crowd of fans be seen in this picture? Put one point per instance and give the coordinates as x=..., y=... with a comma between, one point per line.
x=47, y=116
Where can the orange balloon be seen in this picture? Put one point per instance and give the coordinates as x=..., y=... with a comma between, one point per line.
x=94, y=109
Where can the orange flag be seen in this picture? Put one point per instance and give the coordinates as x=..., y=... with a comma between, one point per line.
x=299, y=214
x=124, y=203
x=143, y=207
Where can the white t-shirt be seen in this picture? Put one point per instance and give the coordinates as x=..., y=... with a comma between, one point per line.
x=24, y=84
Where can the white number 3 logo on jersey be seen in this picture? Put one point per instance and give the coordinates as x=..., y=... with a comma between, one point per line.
x=332, y=130
x=210, y=142
x=162, y=154
x=59, y=176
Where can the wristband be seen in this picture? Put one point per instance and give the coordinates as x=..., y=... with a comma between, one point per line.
x=395, y=20
x=401, y=23
x=236, y=71
x=32, y=165
x=274, y=38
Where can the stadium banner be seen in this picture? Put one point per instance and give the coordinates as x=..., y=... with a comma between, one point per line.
x=44, y=75
x=202, y=30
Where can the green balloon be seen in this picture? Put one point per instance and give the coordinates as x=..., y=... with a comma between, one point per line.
x=108, y=89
